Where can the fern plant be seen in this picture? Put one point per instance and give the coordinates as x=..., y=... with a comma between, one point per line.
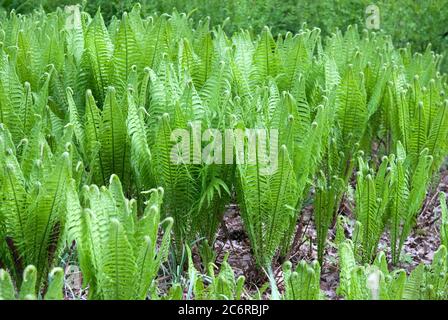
x=82, y=101
x=118, y=250
x=28, y=287
x=33, y=210
x=102, y=137
x=297, y=151
x=195, y=191
x=415, y=113
x=267, y=202
x=444, y=218
x=303, y=283
x=429, y=282
x=222, y=286
x=377, y=282
x=266, y=218
x=408, y=191
x=370, y=281
x=350, y=117
x=372, y=199
x=123, y=127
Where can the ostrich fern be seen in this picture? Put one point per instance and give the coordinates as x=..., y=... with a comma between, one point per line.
x=222, y=286
x=372, y=200
x=118, y=250
x=85, y=101
x=33, y=207
x=408, y=191
x=303, y=283
x=444, y=223
x=370, y=281
x=28, y=288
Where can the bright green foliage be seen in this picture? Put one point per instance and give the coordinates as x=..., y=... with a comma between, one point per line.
x=340, y=233
x=402, y=113
x=372, y=199
x=33, y=184
x=429, y=282
x=267, y=201
x=347, y=95
x=426, y=282
x=175, y=292
x=271, y=201
x=144, y=102
x=102, y=137
x=392, y=283
x=7, y=291
x=347, y=264
x=135, y=81
x=416, y=114
x=444, y=222
x=397, y=18
x=222, y=286
x=55, y=284
x=118, y=250
x=303, y=283
x=369, y=281
x=390, y=197
x=408, y=192
x=28, y=287
x=125, y=125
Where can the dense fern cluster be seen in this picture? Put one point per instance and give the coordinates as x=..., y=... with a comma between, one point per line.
x=87, y=113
